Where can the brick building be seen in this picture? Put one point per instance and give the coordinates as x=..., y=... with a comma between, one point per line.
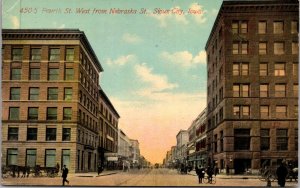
x=109, y=117
x=50, y=99
x=252, y=87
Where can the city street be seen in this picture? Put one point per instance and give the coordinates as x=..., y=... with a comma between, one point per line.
x=143, y=177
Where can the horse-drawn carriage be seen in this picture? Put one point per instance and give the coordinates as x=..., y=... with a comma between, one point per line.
x=37, y=171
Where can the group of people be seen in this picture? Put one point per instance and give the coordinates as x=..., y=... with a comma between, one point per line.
x=210, y=171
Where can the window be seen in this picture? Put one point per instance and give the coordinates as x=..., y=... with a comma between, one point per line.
x=241, y=139
x=245, y=110
x=262, y=27
x=31, y=133
x=241, y=111
x=244, y=27
x=215, y=143
x=281, y=112
x=15, y=74
x=244, y=47
x=278, y=27
x=296, y=139
x=33, y=113
x=54, y=54
x=17, y=54
x=279, y=69
x=235, y=48
x=68, y=94
x=66, y=134
x=295, y=90
x=50, y=158
x=264, y=111
x=14, y=93
x=295, y=48
x=52, y=93
x=34, y=74
x=240, y=69
x=51, y=113
x=245, y=69
x=278, y=48
x=240, y=90
x=34, y=93
x=69, y=74
x=50, y=134
x=221, y=141
x=70, y=54
x=280, y=90
x=236, y=90
x=53, y=74
x=235, y=27
x=35, y=54
x=14, y=113
x=65, y=158
x=264, y=139
x=31, y=157
x=295, y=69
x=296, y=111
x=282, y=139
x=12, y=156
x=12, y=133
x=263, y=69
x=262, y=48
x=294, y=27
x=67, y=113
x=239, y=27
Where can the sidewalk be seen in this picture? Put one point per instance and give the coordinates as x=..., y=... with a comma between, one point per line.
x=231, y=176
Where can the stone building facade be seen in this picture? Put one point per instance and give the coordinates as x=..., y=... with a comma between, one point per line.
x=252, y=87
x=51, y=100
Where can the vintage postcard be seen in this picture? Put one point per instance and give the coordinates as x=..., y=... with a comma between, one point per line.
x=149, y=93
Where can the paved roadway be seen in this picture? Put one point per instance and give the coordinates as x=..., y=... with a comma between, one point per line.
x=143, y=177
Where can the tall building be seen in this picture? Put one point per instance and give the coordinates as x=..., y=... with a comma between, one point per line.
x=108, y=134
x=182, y=138
x=135, y=152
x=124, y=147
x=252, y=87
x=50, y=99
x=197, y=141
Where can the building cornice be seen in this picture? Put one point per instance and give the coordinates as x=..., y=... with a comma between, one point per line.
x=107, y=101
x=248, y=6
x=52, y=34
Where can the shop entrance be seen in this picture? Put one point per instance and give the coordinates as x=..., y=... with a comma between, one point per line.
x=241, y=165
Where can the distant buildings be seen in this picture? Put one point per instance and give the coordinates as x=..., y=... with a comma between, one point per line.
x=135, y=152
x=182, y=138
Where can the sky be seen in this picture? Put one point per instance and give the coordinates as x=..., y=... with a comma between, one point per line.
x=154, y=59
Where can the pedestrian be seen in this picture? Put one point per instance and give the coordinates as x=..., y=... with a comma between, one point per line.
x=200, y=173
x=227, y=169
x=99, y=168
x=216, y=170
x=209, y=172
x=281, y=172
x=65, y=172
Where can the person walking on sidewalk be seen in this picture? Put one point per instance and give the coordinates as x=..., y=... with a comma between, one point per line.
x=64, y=175
x=200, y=173
x=210, y=172
x=281, y=172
